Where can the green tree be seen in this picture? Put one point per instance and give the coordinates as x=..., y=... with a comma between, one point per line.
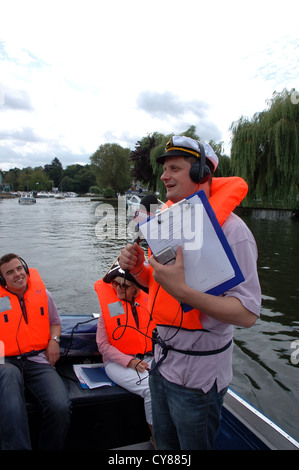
x=11, y=177
x=72, y=170
x=265, y=152
x=66, y=184
x=83, y=179
x=224, y=166
x=33, y=179
x=54, y=171
x=39, y=180
x=78, y=178
x=24, y=178
x=142, y=167
x=112, y=166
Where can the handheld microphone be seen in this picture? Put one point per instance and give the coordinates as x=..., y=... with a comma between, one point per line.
x=148, y=206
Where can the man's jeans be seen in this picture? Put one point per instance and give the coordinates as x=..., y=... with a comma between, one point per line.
x=47, y=388
x=184, y=418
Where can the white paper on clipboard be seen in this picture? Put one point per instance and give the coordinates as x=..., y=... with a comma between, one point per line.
x=210, y=265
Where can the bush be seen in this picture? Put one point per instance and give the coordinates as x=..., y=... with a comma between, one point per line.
x=95, y=190
x=108, y=192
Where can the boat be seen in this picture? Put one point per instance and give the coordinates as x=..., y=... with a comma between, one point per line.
x=43, y=194
x=27, y=200
x=59, y=196
x=111, y=418
x=133, y=204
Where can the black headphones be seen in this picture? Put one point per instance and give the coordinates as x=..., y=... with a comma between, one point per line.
x=200, y=171
x=25, y=266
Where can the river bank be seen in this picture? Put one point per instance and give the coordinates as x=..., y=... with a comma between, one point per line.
x=255, y=212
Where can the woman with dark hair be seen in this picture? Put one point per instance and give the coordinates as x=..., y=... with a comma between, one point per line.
x=124, y=333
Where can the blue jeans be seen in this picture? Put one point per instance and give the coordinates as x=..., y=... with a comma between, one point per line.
x=46, y=386
x=184, y=418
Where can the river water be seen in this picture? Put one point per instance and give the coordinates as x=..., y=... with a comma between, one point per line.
x=65, y=241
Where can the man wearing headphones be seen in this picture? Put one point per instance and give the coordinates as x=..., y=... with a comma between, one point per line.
x=194, y=349
x=29, y=333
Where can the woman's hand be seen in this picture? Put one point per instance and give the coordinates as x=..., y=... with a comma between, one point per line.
x=139, y=365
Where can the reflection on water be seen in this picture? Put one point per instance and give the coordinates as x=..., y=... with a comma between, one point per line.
x=58, y=237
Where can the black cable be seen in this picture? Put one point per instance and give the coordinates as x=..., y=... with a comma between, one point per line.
x=72, y=335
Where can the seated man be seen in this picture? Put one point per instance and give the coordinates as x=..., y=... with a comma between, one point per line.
x=29, y=334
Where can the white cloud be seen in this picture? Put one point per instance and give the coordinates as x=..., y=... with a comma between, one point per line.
x=75, y=75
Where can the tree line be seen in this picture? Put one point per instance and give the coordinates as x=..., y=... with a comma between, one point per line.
x=76, y=178
x=264, y=151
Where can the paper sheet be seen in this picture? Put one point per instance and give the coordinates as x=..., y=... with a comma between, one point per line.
x=208, y=260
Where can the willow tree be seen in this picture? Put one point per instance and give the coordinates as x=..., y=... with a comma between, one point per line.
x=265, y=152
x=112, y=167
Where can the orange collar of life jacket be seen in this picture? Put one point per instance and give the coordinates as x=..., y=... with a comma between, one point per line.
x=225, y=195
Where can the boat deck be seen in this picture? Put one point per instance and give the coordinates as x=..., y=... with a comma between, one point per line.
x=112, y=418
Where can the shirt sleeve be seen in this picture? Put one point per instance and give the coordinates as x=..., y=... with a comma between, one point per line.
x=54, y=317
x=244, y=248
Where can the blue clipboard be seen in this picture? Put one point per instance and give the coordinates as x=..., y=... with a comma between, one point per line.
x=211, y=266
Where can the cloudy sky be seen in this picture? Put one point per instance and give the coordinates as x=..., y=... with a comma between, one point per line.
x=78, y=74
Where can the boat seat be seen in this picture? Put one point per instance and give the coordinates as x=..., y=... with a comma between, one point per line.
x=102, y=418
x=80, y=396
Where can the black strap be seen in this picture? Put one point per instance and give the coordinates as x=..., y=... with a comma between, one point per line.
x=135, y=314
x=167, y=347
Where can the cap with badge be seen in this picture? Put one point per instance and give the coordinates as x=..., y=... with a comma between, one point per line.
x=182, y=146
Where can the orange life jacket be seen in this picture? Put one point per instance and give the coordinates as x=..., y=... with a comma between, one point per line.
x=226, y=194
x=27, y=330
x=120, y=323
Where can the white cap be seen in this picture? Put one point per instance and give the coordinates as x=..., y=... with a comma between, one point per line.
x=182, y=146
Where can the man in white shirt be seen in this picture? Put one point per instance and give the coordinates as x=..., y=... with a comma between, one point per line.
x=195, y=364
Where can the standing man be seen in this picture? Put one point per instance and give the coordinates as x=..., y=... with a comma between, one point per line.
x=30, y=333
x=194, y=350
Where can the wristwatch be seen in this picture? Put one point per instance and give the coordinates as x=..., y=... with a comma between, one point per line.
x=56, y=338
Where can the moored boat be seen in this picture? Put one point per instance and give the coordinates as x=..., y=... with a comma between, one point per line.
x=43, y=194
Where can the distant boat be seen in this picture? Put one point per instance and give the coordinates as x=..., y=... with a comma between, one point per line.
x=27, y=200
x=59, y=196
x=133, y=204
x=43, y=194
